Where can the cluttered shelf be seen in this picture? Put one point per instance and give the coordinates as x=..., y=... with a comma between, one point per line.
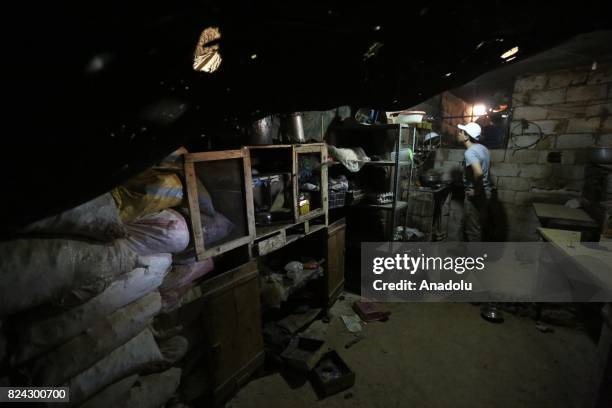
x=388, y=206
x=265, y=231
x=387, y=126
x=374, y=163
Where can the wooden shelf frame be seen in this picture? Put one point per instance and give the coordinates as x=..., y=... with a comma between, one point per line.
x=190, y=159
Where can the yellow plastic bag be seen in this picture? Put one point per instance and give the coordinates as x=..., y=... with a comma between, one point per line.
x=148, y=193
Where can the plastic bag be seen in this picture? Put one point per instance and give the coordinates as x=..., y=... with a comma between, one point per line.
x=162, y=232
x=148, y=193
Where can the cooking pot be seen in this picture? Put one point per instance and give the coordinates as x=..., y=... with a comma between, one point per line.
x=261, y=132
x=430, y=179
x=601, y=155
x=294, y=128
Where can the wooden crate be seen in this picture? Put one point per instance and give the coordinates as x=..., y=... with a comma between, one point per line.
x=276, y=159
x=295, y=152
x=334, y=271
x=227, y=176
x=231, y=315
x=320, y=206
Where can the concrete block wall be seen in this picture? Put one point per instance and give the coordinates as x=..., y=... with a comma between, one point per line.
x=572, y=109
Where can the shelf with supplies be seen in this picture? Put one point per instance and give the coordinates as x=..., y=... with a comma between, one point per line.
x=391, y=147
x=290, y=183
x=376, y=163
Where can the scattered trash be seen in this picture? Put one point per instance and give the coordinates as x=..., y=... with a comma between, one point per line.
x=332, y=375
x=353, y=341
x=544, y=328
x=370, y=312
x=352, y=323
x=303, y=353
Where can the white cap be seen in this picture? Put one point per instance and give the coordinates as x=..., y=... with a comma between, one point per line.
x=472, y=129
x=431, y=135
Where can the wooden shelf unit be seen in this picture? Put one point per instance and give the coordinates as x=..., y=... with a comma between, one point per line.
x=228, y=175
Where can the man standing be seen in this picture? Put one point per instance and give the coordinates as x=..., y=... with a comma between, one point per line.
x=476, y=183
x=476, y=220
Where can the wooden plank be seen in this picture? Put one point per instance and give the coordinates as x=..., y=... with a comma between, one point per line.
x=334, y=271
x=216, y=155
x=228, y=246
x=248, y=185
x=324, y=184
x=294, y=185
x=312, y=214
x=272, y=243
x=557, y=211
x=272, y=146
x=226, y=280
x=558, y=236
x=272, y=229
x=309, y=148
x=194, y=210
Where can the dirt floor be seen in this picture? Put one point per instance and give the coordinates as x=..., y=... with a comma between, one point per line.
x=442, y=355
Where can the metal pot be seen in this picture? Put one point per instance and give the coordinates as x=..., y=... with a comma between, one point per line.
x=430, y=179
x=261, y=132
x=294, y=128
x=601, y=155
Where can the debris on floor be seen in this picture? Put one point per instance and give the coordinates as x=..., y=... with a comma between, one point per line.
x=544, y=328
x=356, y=339
x=352, y=323
x=371, y=311
x=332, y=375
x=303, y=353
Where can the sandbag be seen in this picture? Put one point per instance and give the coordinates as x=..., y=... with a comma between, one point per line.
x=150, y=391
x=101, y=338
x=165, y=231
x=183, y=275
x=135, y=355
x=215, y=229
x=148, y=193
x=39, y=336
x=98, y=219
x=174, y=349
x=36, y=271
x=113, y=395
x=153, y=391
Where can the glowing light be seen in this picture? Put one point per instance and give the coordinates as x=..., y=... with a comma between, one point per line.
x=510, y=59
x=479, y=110
x=448, y=74
x=510, y=52
x=253, y=56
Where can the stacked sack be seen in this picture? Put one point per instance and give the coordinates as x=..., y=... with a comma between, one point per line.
x=79, y=292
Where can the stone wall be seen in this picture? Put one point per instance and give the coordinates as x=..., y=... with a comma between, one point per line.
x=571, y=109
